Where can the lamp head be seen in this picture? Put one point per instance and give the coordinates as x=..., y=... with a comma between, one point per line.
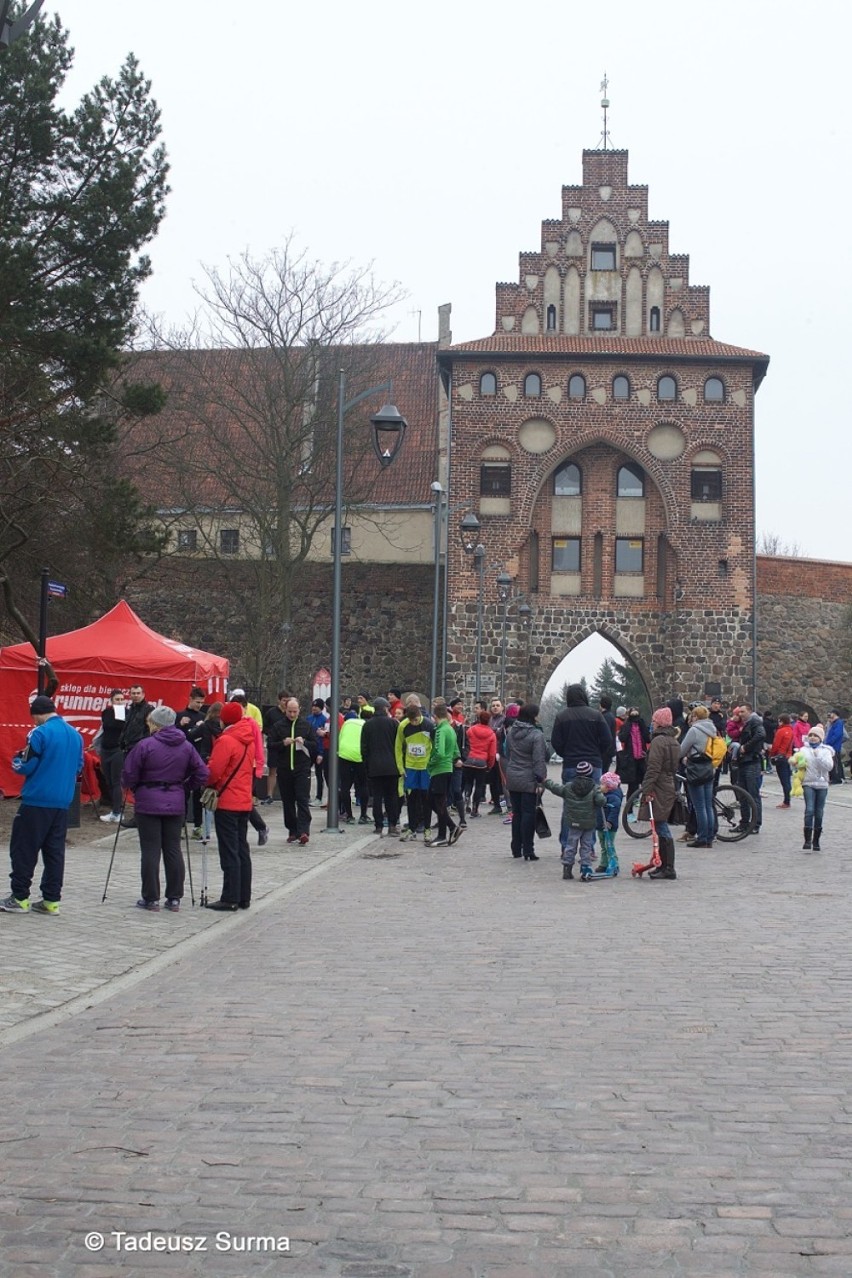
x=388, y=431
x=469, y=529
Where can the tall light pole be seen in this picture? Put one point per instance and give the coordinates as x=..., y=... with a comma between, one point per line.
x=388, y=432
x=504, y=593
x=9, y=30
x=438, y=494
x=470, y=529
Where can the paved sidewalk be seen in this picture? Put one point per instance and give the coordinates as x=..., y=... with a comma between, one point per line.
x=449, y=1064
x=54, y=961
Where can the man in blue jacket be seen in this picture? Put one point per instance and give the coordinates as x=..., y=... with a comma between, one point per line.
x=51, y=763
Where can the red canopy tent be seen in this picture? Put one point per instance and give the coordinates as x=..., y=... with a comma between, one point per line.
x=116, y=651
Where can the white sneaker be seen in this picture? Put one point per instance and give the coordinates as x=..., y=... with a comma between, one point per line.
x=110, y=818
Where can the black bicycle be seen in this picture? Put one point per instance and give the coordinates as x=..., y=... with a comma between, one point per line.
x=734, y=808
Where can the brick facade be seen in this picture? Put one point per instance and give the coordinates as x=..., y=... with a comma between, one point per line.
x=684, y=616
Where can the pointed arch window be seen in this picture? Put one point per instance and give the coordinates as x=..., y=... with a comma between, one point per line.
x=631, y=481
x=621, y=388
x=568, y=481
x=488, y=385
x=714, y=391
x=666, y=389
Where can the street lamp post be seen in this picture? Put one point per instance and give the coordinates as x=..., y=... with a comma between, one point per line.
x=504, y=593
x=470, y=528
x=388, y=432
x=438, y=494
x=11, y=30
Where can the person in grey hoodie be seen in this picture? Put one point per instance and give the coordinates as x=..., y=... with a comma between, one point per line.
x=526, y=772
x=699, y=775
x=159, y=770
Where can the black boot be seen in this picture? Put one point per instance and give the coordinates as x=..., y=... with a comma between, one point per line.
x=659, y=871
x=667, y=851
x=817, y=833
x=806, y=846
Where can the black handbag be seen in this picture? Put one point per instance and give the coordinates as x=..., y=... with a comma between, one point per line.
x=542, y=828
x=680, y=812
x=699, y=769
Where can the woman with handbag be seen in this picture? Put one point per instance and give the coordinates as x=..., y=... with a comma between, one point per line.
x=158, y=770
x=481, y=758
x=699, y=776
x=526, y=773
x=231, y=775
x=660, y=784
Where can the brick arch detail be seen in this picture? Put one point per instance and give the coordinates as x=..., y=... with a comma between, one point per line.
x=615, y=636
x=558, y=454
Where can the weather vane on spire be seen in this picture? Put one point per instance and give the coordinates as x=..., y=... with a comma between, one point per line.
x=605, y=138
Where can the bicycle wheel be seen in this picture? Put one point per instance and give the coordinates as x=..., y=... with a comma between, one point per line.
x=630, y=822
x=736, y=813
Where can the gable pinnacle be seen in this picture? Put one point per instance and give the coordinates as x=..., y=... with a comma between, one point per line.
x=605, y=136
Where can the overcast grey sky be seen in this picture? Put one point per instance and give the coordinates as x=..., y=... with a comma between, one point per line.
x=432, y=140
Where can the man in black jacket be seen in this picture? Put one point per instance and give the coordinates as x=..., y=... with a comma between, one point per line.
x=378, y=751
x=135, y=730
x=750, y=758
x=581, y=734
x=135, y=718
x=297, y=749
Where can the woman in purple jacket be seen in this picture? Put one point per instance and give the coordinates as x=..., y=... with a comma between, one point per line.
x=159, y=770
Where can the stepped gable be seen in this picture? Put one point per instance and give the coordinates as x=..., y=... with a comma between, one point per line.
x=604, y=266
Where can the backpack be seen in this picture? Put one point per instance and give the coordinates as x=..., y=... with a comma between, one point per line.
x=716, y=749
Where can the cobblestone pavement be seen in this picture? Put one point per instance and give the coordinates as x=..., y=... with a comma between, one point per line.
x=448, y=1064
x=95, y=942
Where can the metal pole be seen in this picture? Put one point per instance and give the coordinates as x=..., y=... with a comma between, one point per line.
x=503, y=652
x=41, y=681
x=333, y=819
x=436, y=596
x=480, y=556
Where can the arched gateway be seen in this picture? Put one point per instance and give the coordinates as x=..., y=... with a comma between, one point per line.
x=604, y=441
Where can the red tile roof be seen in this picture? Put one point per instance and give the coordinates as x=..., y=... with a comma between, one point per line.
x=601, y=346
x=218, y=411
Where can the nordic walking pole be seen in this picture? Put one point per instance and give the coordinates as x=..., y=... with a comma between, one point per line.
x=114, y=846
x=188, y=862
x=203, y=898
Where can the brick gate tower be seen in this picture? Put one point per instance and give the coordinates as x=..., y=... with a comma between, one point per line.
x=604, y=440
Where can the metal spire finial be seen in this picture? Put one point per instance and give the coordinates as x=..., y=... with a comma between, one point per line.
x=605, y=137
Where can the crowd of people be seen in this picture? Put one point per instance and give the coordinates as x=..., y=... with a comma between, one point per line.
x=215, y=766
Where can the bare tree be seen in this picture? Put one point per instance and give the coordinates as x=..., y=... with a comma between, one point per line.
x=253, y=393
x=770, y=543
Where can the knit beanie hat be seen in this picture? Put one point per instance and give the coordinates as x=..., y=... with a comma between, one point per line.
x=381, y=703
x=662, y=718
x=512, y=710
x=42, y=705
x=817, y=731
x=584, y=769
x=163, y=716
x=611, y=781
x=231, y=713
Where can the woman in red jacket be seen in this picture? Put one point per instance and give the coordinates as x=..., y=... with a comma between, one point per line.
x=480, y=759
x=782, y=749
x=231, y=770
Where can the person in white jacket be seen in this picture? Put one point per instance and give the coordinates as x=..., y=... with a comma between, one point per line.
x=815, y=761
